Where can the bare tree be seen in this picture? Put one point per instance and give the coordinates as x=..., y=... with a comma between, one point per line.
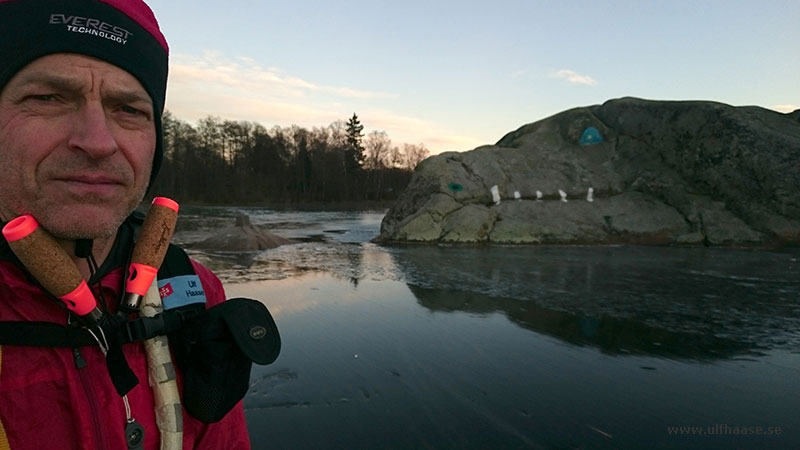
x=414, y=154
x=377, y=146
x=396, y=158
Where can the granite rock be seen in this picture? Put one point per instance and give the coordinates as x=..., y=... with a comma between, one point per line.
x=660, y=172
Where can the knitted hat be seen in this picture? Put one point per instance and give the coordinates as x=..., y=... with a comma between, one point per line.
x=124, y=33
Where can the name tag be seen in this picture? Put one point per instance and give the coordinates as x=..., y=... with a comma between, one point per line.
x=181, y=291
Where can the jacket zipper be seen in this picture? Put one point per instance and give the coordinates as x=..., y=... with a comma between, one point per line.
x=88, y=391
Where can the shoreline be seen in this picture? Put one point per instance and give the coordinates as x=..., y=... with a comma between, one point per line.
x=360, y=205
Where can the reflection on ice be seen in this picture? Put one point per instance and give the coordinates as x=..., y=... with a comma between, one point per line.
x=611, y=335
x=366, y=364
x=727, y=299
x=674, y=290
x=511, y=347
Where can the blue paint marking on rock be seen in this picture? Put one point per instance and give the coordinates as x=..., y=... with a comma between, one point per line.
x=591, y=136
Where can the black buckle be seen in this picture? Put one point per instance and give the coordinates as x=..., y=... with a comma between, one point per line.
x=144, y=328
x=166, y=322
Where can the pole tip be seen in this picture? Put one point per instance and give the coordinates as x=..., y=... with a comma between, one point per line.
x=166, y=202
x=20, y=228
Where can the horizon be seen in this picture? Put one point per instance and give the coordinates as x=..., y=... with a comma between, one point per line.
x=454, y=76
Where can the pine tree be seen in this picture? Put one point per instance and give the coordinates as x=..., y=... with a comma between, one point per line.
x=354, y=153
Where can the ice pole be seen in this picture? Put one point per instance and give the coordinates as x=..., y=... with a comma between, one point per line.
x=149, y=252
x=142, y=288
x=50, y=264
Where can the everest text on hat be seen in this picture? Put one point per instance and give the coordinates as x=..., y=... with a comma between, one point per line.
x=95, y=27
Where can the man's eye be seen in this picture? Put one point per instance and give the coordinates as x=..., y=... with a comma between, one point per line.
x=131, y=110
x=43, y=97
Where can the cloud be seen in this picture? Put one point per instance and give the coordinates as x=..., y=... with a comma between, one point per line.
x=246, y=74
x=438, y=144
x=785, y=108
x=574, y=77
x=413, y=130
x=197, y=104
x=241, y=89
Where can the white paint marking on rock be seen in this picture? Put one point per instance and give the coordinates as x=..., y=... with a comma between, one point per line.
x=590, y=195
x=516, y=195
x=538, y=196
x=563, y=195
x=496, y=194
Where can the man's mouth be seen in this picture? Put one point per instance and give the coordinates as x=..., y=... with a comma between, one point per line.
x=90, y=184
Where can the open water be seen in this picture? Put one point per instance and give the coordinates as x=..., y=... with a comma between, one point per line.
x=434, y=347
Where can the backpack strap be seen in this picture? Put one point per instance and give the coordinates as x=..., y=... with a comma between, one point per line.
x=177, y=278
x=47, y=334
x=43, y=334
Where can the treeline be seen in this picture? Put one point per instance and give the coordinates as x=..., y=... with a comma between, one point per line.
x=224, y=161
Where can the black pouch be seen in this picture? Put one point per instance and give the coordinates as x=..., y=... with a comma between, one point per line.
x=216, y=351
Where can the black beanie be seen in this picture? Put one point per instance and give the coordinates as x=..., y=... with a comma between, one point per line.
x=124, y=33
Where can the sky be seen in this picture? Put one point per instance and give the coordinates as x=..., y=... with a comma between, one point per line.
x=454, y=75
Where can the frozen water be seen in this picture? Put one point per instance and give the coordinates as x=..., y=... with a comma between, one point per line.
x=510, y=347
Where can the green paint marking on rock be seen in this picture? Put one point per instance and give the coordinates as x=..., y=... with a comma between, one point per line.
x=455, y=187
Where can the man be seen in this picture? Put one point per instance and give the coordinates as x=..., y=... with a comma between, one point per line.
x=82, y=88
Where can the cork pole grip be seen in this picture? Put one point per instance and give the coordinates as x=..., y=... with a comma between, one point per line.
x=47, y=262
x=149, y=252
x=156, y=233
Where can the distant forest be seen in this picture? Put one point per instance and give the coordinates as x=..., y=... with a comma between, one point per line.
x=224, y=161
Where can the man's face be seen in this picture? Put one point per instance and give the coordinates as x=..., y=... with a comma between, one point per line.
x=77, y=138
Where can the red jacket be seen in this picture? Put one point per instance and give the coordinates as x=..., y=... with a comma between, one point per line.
x=46, y=401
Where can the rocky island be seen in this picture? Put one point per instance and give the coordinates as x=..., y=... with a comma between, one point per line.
x=243, y=236
x=627, y=171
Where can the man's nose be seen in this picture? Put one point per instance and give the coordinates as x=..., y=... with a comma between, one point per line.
x=91, y=133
